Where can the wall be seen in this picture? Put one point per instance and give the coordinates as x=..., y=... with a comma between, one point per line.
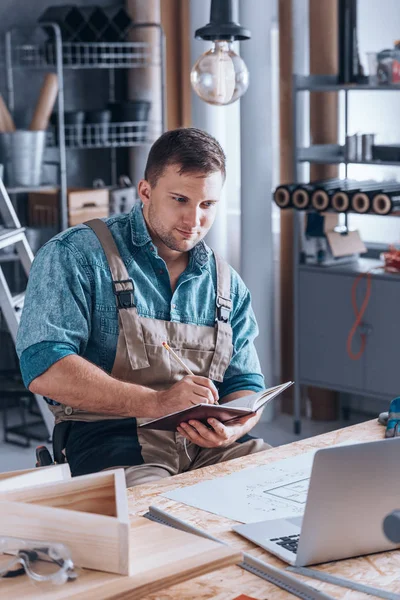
x=223, y=122
x=259, y=160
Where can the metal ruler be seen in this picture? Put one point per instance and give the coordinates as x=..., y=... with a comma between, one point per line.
x=278, y=577
x=347, y=583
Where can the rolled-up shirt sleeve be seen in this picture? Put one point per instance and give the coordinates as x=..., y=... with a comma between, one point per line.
x=244, y=371
x=56, y=317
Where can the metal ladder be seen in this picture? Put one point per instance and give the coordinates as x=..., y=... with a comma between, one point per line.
x=11, y=306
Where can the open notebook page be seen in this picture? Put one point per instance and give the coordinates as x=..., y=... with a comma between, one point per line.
x=255, y=401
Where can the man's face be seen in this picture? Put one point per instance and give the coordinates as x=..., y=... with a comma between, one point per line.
x=180, y=209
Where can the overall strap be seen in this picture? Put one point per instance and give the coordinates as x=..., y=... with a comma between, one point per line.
x=123, y=288
x=223, y=344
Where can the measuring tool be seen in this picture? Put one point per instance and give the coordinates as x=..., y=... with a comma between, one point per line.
x=277, y=577
x=347, y=583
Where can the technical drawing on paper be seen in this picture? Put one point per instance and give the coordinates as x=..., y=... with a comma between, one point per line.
x=295, y=492
x=271, y=491
x=267, y=492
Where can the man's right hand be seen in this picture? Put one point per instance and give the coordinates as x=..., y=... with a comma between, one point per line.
x=187, y=392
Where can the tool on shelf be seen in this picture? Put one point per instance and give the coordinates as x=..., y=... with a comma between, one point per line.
x=6, y=121
x=348, y=58
x=45, y=103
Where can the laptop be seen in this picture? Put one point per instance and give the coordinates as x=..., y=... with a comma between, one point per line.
x=352, y=489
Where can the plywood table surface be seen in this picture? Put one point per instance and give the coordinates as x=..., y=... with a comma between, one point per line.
x=379, y=570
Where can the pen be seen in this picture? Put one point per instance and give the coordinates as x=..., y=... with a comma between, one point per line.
x=179, y=360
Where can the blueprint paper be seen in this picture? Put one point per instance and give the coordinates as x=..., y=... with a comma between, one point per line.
x=262, y=493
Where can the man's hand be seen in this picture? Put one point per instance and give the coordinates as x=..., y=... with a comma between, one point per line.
x=220, y=436
x=187, y=392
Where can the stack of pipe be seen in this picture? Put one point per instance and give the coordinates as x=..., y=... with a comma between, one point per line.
x=341, y=195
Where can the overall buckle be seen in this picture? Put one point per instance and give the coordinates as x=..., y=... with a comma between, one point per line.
x=224, y=308
x=124, y=297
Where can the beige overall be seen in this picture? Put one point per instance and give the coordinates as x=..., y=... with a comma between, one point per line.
x=141, y=359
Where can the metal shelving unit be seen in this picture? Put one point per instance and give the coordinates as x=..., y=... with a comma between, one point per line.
x=335, y=154
x=31, y=50
x=36, y=188
x=330, y=83
x=115, y=135
x=89, y=55
x=322, y=154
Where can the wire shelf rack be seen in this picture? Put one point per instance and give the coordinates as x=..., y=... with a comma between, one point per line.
x=93, y=55
x=108, y=135
x=43, y=47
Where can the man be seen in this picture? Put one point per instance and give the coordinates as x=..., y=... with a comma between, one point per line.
x=103, y=296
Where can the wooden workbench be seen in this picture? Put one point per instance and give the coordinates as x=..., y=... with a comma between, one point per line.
x=379, y=570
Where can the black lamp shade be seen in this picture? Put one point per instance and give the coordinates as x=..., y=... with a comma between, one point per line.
x=223, y=23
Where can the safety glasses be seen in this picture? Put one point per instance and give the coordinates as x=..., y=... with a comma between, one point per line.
x=41, y=561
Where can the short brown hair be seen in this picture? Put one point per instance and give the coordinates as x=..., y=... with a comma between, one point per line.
x=192, y=149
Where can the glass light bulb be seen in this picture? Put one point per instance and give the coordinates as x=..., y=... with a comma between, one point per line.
x=220, y=76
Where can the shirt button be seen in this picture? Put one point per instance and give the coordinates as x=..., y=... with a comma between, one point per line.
x=68, y=410
x=174, y=306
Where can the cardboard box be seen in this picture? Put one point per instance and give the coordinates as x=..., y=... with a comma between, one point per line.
x=83, y=204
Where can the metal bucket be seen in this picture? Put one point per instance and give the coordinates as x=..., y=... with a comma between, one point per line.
x=22, y=155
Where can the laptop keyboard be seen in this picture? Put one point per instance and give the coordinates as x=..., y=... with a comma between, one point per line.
x=289, y=542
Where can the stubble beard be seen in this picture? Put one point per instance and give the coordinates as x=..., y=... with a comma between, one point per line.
x=167, y=237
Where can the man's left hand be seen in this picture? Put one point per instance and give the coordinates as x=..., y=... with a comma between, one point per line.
x=220, y=436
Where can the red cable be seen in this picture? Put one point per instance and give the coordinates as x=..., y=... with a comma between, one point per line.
x=359, y=315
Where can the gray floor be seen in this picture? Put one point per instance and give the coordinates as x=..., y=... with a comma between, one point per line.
x=277, y=432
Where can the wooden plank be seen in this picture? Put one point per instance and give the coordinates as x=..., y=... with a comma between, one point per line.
x=90, y=493
x=14, y=480
x=122, y=512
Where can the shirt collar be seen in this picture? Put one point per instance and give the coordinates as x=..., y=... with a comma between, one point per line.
x=200, y=254
x=140, y=234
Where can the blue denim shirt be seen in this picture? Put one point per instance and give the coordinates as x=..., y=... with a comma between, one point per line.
x=70, y=305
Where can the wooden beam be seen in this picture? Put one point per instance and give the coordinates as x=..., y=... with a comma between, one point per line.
x=175, y=22
x=286, y=176
x=323, y=61
x=324, y=130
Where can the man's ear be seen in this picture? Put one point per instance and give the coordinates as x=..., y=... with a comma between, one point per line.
x=144, y=191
